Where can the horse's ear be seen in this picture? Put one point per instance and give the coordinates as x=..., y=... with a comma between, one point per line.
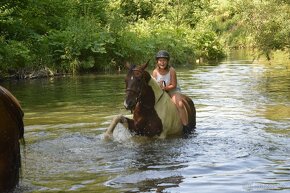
x=144, y=66
x=128, y=65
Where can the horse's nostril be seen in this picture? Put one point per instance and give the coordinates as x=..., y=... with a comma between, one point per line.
x=129, y=104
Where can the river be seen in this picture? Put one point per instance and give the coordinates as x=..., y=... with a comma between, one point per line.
x=241, y=143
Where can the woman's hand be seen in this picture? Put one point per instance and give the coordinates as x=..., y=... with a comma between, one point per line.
x=162, y=85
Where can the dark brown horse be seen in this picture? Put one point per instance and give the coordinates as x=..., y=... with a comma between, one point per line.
x=154, y=113
x=11, y=131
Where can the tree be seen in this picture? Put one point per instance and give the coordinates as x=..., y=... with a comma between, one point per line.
x=269, y=24
x=263, y=25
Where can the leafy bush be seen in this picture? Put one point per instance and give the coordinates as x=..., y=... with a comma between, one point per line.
x=143, y=39
x=81, y=45
x=86, y=35
x=14, y=56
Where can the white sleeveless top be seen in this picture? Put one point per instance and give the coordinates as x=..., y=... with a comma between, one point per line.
x=166, y=78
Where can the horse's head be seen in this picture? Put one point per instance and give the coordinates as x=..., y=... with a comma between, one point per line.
x=135, y=81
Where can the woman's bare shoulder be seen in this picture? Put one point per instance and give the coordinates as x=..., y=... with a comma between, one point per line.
x=172, y=70
x=154, y=73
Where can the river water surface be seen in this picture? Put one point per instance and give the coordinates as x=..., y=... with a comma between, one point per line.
x=241, y=143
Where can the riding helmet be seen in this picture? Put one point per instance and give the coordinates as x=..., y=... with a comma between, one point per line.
x=162, y=54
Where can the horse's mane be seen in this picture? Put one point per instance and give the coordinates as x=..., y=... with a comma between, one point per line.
x=147, y=76
x=158, y=92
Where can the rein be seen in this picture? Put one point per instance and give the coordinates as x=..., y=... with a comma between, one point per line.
x=160, y=97
x=139, y=91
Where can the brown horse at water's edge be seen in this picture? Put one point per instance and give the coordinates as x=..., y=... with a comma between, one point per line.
x=11, y=131
x=154, y=113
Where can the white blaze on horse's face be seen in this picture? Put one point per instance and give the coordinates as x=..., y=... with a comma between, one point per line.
x=126, y=105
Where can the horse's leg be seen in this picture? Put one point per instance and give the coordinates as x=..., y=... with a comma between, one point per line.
x=126, y=122
x=111, y=128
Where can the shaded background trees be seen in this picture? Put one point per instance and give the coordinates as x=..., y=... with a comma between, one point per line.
x=98, y=35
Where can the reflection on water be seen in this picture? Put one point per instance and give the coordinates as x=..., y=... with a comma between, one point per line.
x=241, y=143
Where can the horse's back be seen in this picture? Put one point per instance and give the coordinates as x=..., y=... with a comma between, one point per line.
x=11, y=130
x=168, y=114
x=166, y=111
x=10, y=106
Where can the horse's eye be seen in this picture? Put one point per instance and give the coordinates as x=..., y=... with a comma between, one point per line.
x=138, y=74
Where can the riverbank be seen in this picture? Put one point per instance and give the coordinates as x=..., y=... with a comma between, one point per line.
x=44, y=72
x=279, y=59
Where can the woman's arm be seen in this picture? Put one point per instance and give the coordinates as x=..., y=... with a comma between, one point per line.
x=173, y=80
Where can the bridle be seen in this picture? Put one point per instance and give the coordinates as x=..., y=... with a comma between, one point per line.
x=141, y=87
x=139, y=91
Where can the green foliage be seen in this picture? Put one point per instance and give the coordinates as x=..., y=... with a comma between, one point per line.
x=14, y=55
x=98, y=35
x=169, y=27
x=87, y=8
x=270, y=30
x=228, y=23
x=134, y=10
x=178, y=12
x=79, y=46
x=263, y=25
x=42, y=16
x=207, y=45
x=11, y=25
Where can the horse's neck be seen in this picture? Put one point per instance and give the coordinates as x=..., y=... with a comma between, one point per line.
x=147, y=98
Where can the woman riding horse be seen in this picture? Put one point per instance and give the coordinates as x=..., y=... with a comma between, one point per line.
x=11, y=130
x=154, y=113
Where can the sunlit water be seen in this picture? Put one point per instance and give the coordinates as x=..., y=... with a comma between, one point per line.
x=241, y=143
